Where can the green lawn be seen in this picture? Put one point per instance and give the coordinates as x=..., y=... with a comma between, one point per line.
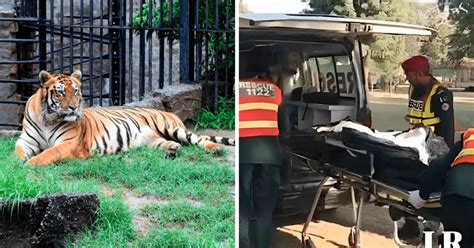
x=193, y=205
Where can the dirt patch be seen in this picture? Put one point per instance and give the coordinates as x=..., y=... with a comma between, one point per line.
x=195, y=203
x=136, y=202
x=141, y=224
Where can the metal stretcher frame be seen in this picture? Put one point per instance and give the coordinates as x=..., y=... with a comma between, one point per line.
x=365, y=184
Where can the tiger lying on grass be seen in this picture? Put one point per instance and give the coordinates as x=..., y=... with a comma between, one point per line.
x=56, y=127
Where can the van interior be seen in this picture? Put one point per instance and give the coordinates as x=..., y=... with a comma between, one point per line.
x=320, y=84
x=317, y=79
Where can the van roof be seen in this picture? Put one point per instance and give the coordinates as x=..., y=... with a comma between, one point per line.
x=340, y=24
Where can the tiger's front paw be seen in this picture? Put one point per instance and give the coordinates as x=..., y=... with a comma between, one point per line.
x=37, y=161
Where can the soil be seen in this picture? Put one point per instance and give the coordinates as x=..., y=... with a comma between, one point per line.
x=332, y=229
x=46, y=221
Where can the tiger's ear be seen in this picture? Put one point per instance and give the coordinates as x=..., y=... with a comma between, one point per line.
x=44, y=77
x=77, y=74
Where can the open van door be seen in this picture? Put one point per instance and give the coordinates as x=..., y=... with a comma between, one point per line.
x=332, y=24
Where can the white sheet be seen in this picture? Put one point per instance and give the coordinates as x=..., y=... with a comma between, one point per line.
x=414, y=138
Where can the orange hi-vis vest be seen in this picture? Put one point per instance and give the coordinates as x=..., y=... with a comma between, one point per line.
x=467, y=153
x=258, y=107
x=419, y=112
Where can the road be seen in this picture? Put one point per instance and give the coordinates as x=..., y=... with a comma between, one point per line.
x=389, y=113
x=332, y=229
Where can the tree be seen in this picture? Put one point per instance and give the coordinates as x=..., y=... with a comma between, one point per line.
x=462, y=41
x=386, y=51
x=243, y=7
x=437, y=49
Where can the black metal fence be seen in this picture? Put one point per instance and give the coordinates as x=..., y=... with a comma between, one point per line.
x=125, y=49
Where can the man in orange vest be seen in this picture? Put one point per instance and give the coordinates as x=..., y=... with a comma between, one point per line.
x=455, y=172
x=430, y=104
x=260, y=159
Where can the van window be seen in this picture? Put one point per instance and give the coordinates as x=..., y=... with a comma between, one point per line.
x=327, y=74
x=345, y=76
x=307, y=76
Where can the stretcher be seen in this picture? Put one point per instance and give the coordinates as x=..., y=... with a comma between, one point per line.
x=359, y=170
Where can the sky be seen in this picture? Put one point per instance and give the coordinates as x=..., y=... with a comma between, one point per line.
x=275, y=6
x=287, y=6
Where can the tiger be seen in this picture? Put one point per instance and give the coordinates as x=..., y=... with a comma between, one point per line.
x=57, y=127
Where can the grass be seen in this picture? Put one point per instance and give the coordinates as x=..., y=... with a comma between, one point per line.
x=189, y=187
x=222, y=118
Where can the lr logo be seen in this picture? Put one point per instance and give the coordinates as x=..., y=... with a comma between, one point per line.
x=450, y=240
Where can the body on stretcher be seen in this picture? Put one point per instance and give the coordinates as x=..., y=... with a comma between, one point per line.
x=358, y=169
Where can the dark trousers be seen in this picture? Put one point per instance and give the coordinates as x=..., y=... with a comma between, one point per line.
x=457, y=214
x=258, y=193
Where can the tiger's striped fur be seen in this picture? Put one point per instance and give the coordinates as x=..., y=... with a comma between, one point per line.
x=56, y=127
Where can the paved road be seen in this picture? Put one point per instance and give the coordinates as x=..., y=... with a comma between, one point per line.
x=389, y=113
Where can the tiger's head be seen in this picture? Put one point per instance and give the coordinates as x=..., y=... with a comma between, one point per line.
x=61, y=96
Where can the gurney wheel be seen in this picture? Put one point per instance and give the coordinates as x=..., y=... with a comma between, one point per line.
x=308, y=243
x=351, y=238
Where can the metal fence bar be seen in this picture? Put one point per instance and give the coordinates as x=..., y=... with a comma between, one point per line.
x=216, y=55
x=184, y=53
x=71, y=38
x=81, y=31
x=198, y=45
x=161, y=80
x=61, y=37
x=141, y=68
x=122, y=11
x=51, y=35
x=226, y=61
x=170, y=42
x=42, y=34
x=150, y=39
x=191, y=39
x=206, y=36
x=101, y=48
x=130, y=55
x=115, y=58
x=91, y=55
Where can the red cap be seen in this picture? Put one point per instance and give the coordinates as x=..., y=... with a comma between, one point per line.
x=416, y=63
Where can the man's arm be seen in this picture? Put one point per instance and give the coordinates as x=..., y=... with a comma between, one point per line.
x=432, y=177
x=442, y=106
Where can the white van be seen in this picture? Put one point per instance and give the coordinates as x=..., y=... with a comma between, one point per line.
x=317, y=60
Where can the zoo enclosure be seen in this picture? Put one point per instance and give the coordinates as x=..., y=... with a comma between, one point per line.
x=123, y=51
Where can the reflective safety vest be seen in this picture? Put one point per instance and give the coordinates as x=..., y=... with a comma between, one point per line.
x=258, y=107
x=419, y=112
x=467, y=153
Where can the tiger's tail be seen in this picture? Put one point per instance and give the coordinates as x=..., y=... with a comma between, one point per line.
x=208, y=143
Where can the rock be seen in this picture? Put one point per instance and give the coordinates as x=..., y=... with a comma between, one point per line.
x=46, y=221
x=182, y=99
x=7, y=134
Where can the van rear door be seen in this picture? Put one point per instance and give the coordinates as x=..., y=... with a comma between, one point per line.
x=333, y=24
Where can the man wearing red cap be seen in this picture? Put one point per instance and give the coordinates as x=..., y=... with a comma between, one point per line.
x=430, y=104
